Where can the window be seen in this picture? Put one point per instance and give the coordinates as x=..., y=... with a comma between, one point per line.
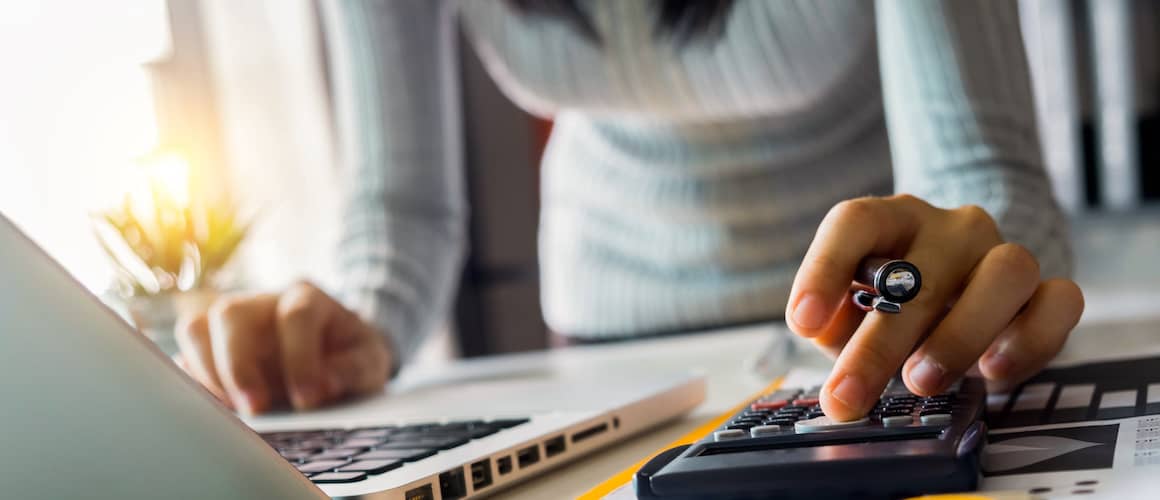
x=76, y=108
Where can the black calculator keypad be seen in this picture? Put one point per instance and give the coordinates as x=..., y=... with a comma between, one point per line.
x=782, y=446
x=780, y=411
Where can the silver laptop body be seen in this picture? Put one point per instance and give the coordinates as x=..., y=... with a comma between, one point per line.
x=90, y=409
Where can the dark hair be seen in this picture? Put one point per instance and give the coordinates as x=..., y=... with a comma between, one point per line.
x=681, y=20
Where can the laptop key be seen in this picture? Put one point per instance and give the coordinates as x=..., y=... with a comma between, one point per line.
x=321, y=466
x=371, y=433
x=364, y=443
x=295, y=455
x=419, y=427
x=463, y=426
x=337, y=453
x=405, y=455
x=311, y=444
x=371, y=466
x=338, y=477
x=508, y=423
x=413, y=443
x=482, y=432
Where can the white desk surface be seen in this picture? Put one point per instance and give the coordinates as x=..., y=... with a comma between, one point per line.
x=1116, y=268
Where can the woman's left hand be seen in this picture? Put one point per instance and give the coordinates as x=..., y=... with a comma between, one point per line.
x=982, y=303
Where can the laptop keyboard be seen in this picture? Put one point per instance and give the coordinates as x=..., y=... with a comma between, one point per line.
x=351, y=455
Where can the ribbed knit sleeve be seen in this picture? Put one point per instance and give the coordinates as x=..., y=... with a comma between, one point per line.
x=961, y=120
x=403, y=235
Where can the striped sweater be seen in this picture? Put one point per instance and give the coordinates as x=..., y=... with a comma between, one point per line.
x=682, y=184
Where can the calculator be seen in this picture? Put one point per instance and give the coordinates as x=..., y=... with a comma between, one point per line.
x=782, y=446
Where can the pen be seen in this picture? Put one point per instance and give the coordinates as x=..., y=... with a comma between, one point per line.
x=882, y=284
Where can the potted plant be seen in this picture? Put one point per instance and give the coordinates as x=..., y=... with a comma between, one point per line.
x=169, y=251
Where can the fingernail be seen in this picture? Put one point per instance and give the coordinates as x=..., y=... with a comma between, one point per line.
x=927, y=375
x=850, y=392
x=999, y=365
x=811, y=312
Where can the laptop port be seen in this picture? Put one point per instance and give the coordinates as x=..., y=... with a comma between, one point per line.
x=504, y=464
x=421, y=493
x=554, y=446
x=480, y=475
x=528, y=456
x=589, y=432
x=452, y=485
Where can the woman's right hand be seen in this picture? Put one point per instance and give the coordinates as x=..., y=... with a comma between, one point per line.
x=300, y=346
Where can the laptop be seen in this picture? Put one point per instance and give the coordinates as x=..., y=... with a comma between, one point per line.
x=91, y=409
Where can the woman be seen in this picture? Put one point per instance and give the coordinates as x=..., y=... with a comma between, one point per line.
x=698, y=145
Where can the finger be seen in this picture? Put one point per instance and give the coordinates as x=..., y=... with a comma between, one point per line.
x=361, y=369
x=1035, y=337
x=303, y=312
x=841, y=328
x=883, y=341
x=997, y=289
x=241, y=334
x=197, y=354
x=851, y=231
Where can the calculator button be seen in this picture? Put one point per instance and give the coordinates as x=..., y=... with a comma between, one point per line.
x=768, y=405
x=767, y=430
x=729, y=434
x=936, y=418
x=807, y=402
x=825, y=423
x=897, y=420
x=744, y=426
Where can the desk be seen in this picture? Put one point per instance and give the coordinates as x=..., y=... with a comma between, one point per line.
x=1116, y=267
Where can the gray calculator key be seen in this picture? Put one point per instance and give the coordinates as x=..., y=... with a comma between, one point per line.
x=728, y=434
x=897, y=420
x=936, y=419
x=824, y=423
x=767, y=430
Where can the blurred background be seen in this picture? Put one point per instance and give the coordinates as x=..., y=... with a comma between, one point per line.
x=163, y=148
